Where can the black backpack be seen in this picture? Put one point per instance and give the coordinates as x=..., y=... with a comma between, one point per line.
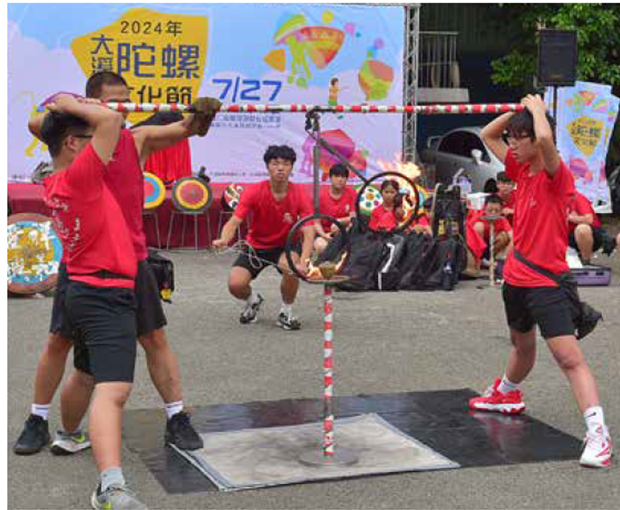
x=163, y=269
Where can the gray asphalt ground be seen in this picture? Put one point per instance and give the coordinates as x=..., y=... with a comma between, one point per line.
x=384, y=342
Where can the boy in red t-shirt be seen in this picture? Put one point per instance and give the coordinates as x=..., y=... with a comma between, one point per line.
x=275, y=206
x=125, y=181
x=337, y=201
x=586, y=234
x=101, y=268
x=482, y=226
x=506, y=192
x=544, y=190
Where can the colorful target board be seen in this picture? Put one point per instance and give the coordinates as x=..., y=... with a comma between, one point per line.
x=34, y=251
x=154, y=191
x=192, y=194
x=231, y=197
x=372, y=198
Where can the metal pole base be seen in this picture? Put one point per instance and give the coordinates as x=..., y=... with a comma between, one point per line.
x=341, y=457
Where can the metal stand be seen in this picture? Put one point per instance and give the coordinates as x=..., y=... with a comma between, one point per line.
x=185, y=214
x=329, y=455
x=153, y=214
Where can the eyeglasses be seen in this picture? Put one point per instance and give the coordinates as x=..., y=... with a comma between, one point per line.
x=87, y=137
x=515, y=137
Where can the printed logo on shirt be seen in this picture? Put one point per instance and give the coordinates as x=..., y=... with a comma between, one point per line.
x=288, y=218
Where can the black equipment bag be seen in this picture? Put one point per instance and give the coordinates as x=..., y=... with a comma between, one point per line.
x=584, y=316
x=163, y=269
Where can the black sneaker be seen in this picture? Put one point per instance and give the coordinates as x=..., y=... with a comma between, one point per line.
x=179, y=432
x=288, y=322
x=34, y=437
x=250, y=311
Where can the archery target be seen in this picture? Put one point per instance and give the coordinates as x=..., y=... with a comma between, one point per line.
x=154, y=191
x=34, y=252
x=231, y=197
x=192, y=194
x=372, y=198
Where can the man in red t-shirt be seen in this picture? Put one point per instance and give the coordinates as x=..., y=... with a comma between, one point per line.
x=545, y=187
x=506, y=192
x=337, y=201
x=125, y=180
x=273, y=207
x=585, y=232
x=101, y=268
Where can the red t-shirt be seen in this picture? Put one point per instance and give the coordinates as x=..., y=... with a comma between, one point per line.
x=271, y=221
x=382, y=219
x=125, y=179
x=501, y=224
x=90, y=223
x=541, y=224
x=581, y=205
x=511, y=204
x=336, y=207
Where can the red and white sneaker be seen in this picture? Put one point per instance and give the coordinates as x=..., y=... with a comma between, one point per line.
x=597, y=449
x=493, y=400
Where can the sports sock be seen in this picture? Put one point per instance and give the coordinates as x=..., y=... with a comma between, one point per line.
x=594, y=417
x=286, y=309
x=111, y=476
x=506, y=385
x=253, y=299
x=173, y=408
x=40, y=410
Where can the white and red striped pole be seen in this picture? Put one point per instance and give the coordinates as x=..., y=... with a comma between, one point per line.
x=436, y=109
x=328, y=372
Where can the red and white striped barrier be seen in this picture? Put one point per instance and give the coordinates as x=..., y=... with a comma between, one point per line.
x=435, y=109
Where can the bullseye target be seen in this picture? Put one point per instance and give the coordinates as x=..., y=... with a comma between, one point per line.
x=154, y=191
x=192, y=194
x=231, y=197
x=372, y=198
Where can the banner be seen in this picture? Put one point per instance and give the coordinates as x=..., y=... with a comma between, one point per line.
x=586, y=114
x=239, y=53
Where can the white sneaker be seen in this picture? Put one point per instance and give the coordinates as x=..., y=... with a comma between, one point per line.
x=69, y=443
x=250, y=311
x=598, y=449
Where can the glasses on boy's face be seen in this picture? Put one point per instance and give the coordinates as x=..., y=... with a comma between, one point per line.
x=86, y=137
x=514, y=137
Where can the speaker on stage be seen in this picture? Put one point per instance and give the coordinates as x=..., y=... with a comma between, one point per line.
x=557, y=58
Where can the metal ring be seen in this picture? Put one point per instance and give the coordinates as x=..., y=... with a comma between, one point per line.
x=415, y=210
x=289, y=239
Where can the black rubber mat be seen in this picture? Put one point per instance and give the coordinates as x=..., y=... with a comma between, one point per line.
x=439, y=419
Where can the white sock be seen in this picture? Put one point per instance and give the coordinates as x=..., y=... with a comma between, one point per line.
x=40, y=410
x=253, y=298
x=594, y=418
x=286, y=309
x=173, y=408
x=111, y=476
x=506, y=385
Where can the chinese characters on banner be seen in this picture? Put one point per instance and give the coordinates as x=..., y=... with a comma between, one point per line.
x=162, y=56
x=587, y=113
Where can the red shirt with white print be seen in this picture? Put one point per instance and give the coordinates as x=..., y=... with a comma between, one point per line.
x=90, y=223
x=339, y=208
x=541, y=222
x=125, y=179
x=581, y=205
x=271, y=221
x=382, y=219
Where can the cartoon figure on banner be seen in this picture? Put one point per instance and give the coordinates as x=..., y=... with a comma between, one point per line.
x=340, y=141
x=375, y=77
x=320, y=43
x=334, y=89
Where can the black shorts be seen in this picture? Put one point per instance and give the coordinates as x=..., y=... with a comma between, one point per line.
x=257, y=259
x=598, y=234
x=103, y=322
x=149, y=314
x=549, y=307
